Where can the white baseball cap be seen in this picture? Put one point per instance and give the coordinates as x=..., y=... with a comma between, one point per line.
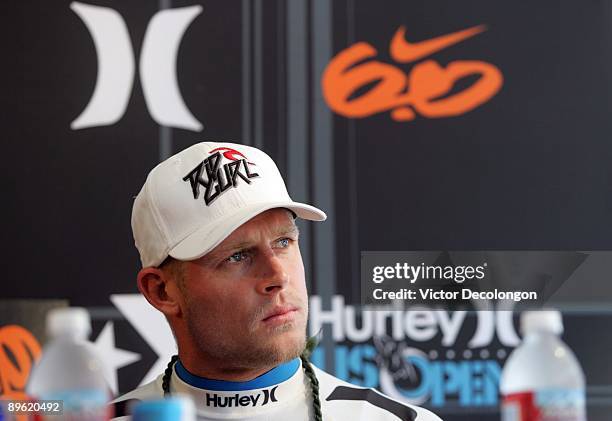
x=195, y=199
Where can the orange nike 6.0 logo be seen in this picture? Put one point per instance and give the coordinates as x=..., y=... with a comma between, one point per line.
x=424, y=90
x=19, y=350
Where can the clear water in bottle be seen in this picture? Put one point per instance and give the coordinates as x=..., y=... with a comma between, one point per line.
x=69, y=369
x=542, y=379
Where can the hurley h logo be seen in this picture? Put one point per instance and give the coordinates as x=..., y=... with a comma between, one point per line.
x=116, y=67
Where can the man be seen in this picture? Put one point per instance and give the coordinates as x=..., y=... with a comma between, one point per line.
x=214, y=226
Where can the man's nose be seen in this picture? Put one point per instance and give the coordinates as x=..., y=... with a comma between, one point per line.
x=273, y=276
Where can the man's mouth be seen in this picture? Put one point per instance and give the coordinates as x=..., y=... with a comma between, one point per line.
x=280, y=315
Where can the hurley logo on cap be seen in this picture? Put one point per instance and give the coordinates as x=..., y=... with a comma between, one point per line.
x=219, y=178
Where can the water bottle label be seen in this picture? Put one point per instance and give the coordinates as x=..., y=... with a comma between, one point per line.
x=85, y=404
x=545, y=405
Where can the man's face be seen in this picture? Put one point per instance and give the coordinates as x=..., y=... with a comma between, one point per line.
x=246, y=301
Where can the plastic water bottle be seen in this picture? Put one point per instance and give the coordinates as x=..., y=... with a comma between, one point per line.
x=542, y=379
x=70, y=371
x=175, y=408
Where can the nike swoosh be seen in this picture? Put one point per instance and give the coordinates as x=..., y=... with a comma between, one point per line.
x=405, y=51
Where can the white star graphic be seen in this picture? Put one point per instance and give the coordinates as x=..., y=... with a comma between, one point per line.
x=151, y=325
x=112, y=357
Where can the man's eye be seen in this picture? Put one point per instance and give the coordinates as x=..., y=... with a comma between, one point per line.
x=284, y=242
x=237, y=257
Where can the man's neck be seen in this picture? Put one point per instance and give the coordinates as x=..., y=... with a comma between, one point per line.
x=222, y=370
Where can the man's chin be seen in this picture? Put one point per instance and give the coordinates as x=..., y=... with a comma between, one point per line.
x=284, y=346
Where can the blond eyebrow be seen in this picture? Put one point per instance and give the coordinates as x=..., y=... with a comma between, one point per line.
x=292, y=229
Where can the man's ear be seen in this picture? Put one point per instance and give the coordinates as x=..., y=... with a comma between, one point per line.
x=160, y=290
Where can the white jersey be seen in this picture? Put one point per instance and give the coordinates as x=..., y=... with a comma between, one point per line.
x=282, y=394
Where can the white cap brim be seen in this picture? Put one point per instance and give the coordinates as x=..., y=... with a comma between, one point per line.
x=207, y=237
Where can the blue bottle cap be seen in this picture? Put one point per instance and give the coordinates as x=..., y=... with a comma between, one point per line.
x=175, y=408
